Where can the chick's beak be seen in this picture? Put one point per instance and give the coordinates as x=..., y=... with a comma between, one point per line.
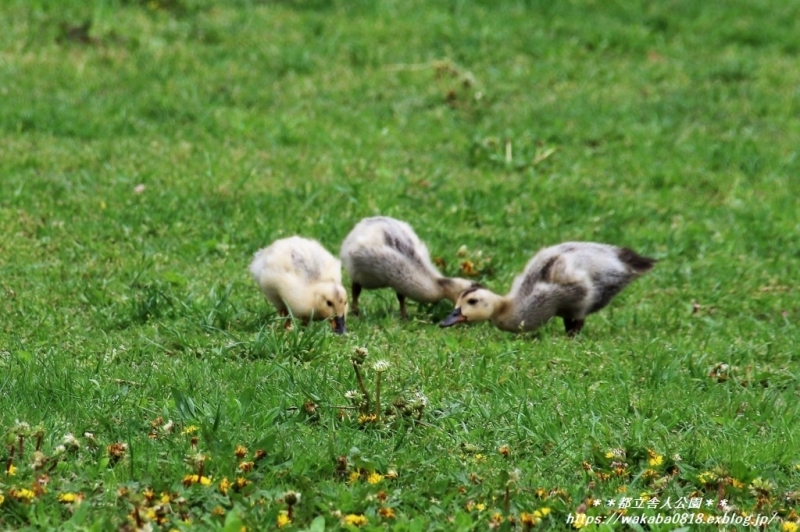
x=453, y=318
x=338, y=325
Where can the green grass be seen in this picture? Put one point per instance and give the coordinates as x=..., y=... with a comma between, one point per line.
x=670, y=127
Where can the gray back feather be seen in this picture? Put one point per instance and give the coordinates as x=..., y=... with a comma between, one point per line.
x=310, y=269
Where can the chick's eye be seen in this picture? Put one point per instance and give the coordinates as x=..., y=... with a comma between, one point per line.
x=472, y=301
x=329, y=303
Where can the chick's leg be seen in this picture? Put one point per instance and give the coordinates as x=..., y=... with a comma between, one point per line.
x=356, y=289
x=402, y=299
x=287, y=325
x=573, y=327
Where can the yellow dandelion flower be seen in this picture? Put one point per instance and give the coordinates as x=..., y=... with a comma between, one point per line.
x=69, y=497
x=224, y=485
x=706, y=476
x=165, y=498
x=374, y=478
x=23, y=494
x=240, y=452
x=191, y=429
x=355, y=520
x=649, y=473
x=655, y=460
x=148, y=494
x=541, y=493
x=354, y=476
x=480, y=507
x=241, y=482
x=543, y=512
x=622, y=489
x=580, y=521
x=529, y=519
x=188, y=480
x=2, y=498
x=12, y=470
x=387, y=513
x=283, y=519
x=247, y=466
x=480, y=458
x=219, y=510
x=738, y=484
x=609, y=454
x=367, y=418
x=789, y=526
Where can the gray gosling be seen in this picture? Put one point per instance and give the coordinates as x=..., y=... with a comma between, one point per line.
x=299, y=276
x=382, y=252
x=569, y=280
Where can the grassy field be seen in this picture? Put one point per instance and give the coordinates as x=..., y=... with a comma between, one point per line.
x=149, y=148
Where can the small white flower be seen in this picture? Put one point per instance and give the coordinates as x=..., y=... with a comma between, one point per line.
x=419, y=400
x=381, y=365
x=352, y=395
x=618, y=453
x=39, y=459
x=71, y=441
x=291, y=498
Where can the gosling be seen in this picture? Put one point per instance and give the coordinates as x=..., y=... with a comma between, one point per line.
x=382, y=252
x=569, y=280
x=299, y=276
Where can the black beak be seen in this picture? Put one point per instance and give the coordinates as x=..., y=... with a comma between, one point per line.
x=338, y=325
x=453, y=318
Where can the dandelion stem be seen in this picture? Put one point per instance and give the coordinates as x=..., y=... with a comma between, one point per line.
x=507, y=501
x=361, y=385
x=21, y=444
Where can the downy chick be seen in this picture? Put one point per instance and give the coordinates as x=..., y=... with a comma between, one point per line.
x=299, y=276
x=382, y=252
x=569, y=280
